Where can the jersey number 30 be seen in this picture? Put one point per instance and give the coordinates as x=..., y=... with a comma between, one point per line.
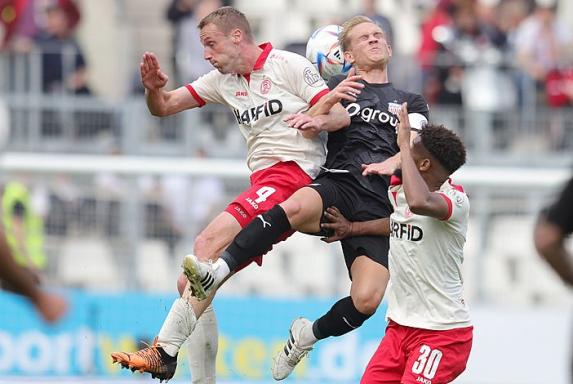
x=427, y=363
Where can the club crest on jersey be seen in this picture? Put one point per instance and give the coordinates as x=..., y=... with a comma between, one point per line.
x=311, y=77
x=265, y=86
x=394, y=108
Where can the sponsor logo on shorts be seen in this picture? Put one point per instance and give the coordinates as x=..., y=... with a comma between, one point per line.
x=423, y=380
x=252, y=203
x=241, y=212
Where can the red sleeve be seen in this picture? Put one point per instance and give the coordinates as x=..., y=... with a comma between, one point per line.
x=195, y=95
x=318, y=96
x=450, y=206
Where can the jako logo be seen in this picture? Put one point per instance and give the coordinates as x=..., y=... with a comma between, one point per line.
x=369, y=114
x=248, y=116
x=406, y=231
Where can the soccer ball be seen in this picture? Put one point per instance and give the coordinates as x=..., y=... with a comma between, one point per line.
x=323, y=50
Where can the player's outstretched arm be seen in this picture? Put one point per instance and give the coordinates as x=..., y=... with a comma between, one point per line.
x=310, y=126
x=343, y=228
x=419, y=197
x=50, y=306
x=159, y=101
x=348, y=89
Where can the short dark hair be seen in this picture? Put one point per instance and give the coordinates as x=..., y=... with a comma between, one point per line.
x=227, y=19
x=444, y=145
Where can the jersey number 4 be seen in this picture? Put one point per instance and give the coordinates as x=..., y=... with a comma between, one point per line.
x=263, y=193
x=427, y=363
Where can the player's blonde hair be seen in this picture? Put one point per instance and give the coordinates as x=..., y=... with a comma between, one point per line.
x=227, y=19
x=343, y=38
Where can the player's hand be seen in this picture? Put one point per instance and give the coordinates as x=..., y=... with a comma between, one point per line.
x=51, y=307
x=387, y=167
x=304, y=123
x=151, y=75
x=348, y=89
x=338, y=223
x=404, y=127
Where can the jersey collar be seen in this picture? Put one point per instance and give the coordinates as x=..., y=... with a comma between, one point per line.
x=266, y=47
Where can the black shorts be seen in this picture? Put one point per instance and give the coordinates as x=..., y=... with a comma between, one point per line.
x=356, y=203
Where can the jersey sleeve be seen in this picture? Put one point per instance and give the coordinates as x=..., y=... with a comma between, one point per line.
x=418, y=111
x=304, y=79
x=458, y=205
x=560, y=213
x=206, y=89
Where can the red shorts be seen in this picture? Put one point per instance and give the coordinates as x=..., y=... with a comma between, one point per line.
x=269, y=187
x=412, y=356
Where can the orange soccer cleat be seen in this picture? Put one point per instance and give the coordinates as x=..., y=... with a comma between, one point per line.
x=151, y=359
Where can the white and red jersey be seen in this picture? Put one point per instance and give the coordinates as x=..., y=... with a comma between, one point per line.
x=425, y=262
x=280, y=84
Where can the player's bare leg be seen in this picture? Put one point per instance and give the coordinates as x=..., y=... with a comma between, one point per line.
x=160, y=359
x=301, y=212
x=369, y=280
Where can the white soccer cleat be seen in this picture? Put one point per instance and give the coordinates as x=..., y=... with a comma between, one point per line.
x=293, y=352
x=200, y=275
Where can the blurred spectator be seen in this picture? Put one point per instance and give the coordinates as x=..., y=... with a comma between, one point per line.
x=543, y=44
x=187, y=51
x=460, y=35
x=63, y=63
x=24, y=228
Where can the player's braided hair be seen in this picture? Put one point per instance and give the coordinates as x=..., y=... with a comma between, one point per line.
x=444, y=145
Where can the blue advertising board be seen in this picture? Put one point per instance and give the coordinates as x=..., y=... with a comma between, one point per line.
x=251, y=331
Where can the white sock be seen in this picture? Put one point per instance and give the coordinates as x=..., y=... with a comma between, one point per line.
x=220, y=270
x=177, y=327
x=307, y=337
x=203, y=344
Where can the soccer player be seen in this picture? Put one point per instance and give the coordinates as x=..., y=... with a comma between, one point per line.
x=347, y=183
x=21, y=281
x=429, y=333
x=262, y=86
x=553, y=227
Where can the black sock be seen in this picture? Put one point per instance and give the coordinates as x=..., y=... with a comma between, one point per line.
x=257, y=237
x=342, y=318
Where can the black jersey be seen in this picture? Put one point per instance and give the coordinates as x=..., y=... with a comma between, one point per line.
x=371, y=136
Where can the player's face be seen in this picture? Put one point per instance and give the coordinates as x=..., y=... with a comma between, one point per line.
x=368, y=46
x=221, y=50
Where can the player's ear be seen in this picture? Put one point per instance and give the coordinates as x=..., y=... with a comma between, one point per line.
x=424, y=164
x=348, y=57
x=236, y=35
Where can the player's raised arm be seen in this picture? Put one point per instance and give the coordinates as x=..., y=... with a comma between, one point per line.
x=310, y=126
x=159, y=101
x=420, y=199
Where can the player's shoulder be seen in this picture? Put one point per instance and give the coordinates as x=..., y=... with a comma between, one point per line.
x=456, y=193
x=282, y=57
x=416, y=102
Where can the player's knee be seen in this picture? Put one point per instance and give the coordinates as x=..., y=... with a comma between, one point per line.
x=292, y=208
x=367, y=300
x=181, y=284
